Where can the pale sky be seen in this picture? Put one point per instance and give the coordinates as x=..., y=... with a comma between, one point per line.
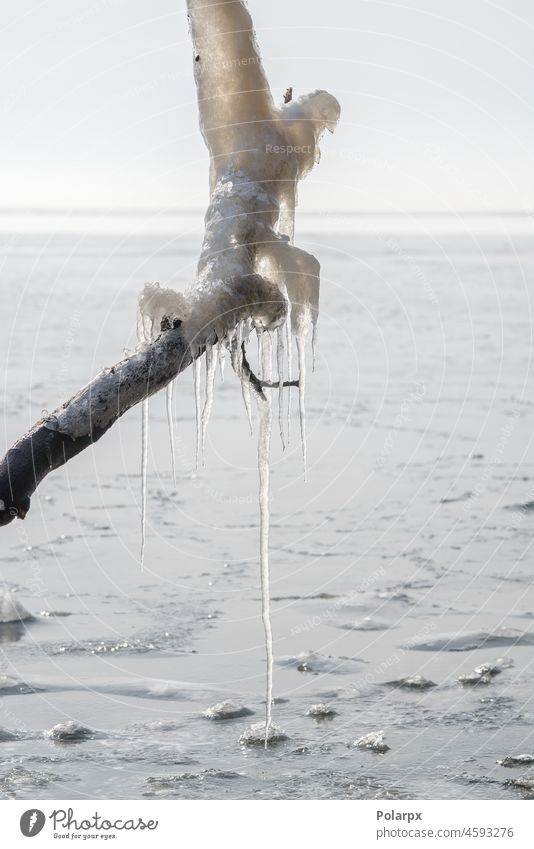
x=98, y=107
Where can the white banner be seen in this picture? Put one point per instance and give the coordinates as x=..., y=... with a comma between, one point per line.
x=266, y=824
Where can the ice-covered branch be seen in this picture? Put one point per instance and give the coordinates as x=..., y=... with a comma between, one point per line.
x=250, y=275
x=85, y=418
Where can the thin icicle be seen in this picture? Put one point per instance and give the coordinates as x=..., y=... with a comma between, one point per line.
x=264, y=443
x=211, y=365
x=245, y=391
x=289, y=346
x=314, y=344
x=259, y=337
x=221, y=355
x=144, y=466
x=280, y=368
x=301, y=349
x=169, y=393
x=197, y=372
x=238, y=344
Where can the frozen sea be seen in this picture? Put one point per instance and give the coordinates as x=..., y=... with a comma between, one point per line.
x=407, y=553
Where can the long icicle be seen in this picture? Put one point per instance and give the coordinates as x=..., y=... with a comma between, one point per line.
x=221, y=356
x=264, y=444
x=211, y=366
x=170, y=423
x=289, y=345
x=280, y=368
x=301, y=350
x=144, y=467
x=197, y=370
x=236, y=343
x=314, y=344
x=245, y=391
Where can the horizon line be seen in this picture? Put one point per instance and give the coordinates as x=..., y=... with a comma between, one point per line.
x=362, y=213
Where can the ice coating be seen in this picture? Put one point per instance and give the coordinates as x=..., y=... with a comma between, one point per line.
x=157, y=304
x=258, y=152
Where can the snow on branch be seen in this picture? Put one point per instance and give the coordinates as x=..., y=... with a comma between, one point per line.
x=250, y=275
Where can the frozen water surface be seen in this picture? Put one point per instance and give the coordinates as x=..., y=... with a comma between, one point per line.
x=422, y=377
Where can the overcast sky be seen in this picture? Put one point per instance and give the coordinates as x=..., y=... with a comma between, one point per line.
x=97, y=102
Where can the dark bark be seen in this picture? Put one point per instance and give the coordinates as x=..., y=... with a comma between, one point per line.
x=86, y=417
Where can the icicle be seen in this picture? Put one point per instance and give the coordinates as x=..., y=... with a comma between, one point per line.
x=221, y=355
x=169, y=393
x=197, y=371
x=144, y=466
x=289, y=345
x=259, y=336
x=245, y=391
x=264, y=442
x=211, y=365
x=280, y=368
x=301, y=350
x=314, y=344
x=238, y=344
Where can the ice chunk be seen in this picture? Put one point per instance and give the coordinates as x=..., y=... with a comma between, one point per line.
x=525, y=782
x=227, y=710
x=413, y=682
x=485, y=673
x=468, y=641
x=315, y=664
x=6, y=736
x=517, y=760
x=256, y=735
x=321, y=711
x=374, y=742
x=70, y=732
x=11, y=610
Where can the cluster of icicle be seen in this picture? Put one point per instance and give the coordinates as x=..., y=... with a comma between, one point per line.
x=275, y=361
x=251, y=278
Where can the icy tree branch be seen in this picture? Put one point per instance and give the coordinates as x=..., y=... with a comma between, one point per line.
x=249, y=272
